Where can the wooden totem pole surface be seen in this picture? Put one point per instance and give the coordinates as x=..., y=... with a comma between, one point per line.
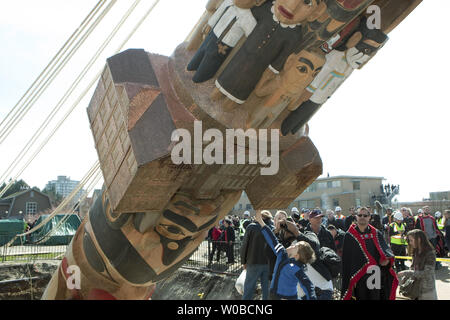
x=153, y=213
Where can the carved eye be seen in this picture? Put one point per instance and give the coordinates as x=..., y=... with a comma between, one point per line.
x=172, y=229
x=316, y=73
x=367, y=51
x=302, y=69
x=308, y=2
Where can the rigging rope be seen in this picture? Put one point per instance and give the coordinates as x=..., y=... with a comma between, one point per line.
x=94, y=80
x=45, y=78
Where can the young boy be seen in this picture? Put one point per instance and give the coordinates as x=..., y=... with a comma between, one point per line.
x=290, y=266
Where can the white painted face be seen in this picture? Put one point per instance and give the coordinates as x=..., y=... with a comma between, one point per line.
x=355, y=58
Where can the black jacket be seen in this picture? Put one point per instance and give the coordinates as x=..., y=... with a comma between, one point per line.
x=253, y=248
x=325, y=237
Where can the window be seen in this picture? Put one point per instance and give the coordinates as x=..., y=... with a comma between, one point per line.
x=240, y=206
x=329, y=184
x=312, y=188
x=248, y=206
x=335, y=202
x=322, y=185
x=356, y=185
x=358, y=202
x=31, y=208
x=336, y=184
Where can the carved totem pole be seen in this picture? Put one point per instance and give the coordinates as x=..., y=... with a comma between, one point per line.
x=262, y=65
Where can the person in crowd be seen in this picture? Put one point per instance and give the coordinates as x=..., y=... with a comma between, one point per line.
x=214, y=236
x=375, y=221
x=229, y=238
x=447, y=228
x=397, y=236
x=328, y=218
x=408, y=218
x=243, y=224
x=294, y=210
x=439, y=220
x=350, y=219
x=364, y=254
x=304, y=219
x=423, y=264
x=339, y=218
x=254, y=259
x=338, y=236
x=295, y=214
x=315, y=225
x=318, y=271
x=427, y=224
x=290, y=266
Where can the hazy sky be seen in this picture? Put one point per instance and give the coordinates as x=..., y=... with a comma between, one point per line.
x=390, y=119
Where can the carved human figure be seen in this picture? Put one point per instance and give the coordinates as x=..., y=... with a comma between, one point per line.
x=276, y=36
x=340, y=64
x=286, y=89
x=232, y=20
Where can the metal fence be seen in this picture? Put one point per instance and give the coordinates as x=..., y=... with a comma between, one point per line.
x=213, y=256
x=216, y=256
x=22, y=250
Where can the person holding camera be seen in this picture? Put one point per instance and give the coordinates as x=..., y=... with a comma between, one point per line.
x=289, y=267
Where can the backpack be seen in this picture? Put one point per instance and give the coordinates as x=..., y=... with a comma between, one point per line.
x=331, y=260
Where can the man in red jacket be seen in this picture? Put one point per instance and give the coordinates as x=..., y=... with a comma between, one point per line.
x=214, y=235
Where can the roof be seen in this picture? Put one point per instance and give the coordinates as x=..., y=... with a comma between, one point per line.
x=15, y=195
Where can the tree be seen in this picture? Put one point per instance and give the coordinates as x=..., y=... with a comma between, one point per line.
x=17, y=186
x=55, y=198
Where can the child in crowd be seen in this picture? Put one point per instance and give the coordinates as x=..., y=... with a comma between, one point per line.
x=290, y=266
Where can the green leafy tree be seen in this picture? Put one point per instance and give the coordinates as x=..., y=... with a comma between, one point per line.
x=17, y=186
x=55, y=198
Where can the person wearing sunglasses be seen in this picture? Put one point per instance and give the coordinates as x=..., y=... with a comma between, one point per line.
x=367, y=263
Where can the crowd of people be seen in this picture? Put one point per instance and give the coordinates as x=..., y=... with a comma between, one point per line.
x=310, y=254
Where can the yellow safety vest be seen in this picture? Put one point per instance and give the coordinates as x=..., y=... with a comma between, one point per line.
x=397, y=239
x=440, y=223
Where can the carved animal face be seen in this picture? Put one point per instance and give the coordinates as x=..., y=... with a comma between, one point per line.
x=247, y=4
x=300, y=69
x=298, y=11
x=363, y=45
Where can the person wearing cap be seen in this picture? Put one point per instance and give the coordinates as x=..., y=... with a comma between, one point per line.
x=339, y=215
x=427, y=223
x=439, y=220
x=254, y=258
x=397, y=236
x=315, y=225
x=243, y=224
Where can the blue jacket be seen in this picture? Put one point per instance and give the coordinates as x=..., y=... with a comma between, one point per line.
x=288, y=272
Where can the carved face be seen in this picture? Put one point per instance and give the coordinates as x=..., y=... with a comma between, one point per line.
x=247, y=4
x=181, y=224
x=301, y=69
x=298, y=11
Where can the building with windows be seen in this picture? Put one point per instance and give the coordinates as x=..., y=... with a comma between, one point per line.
x=330, y=192
x=64, y=187
x=24, y=204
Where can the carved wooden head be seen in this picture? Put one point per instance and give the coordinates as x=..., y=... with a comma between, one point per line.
x=300, y=69
x=247, y=4
x=298, y=11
